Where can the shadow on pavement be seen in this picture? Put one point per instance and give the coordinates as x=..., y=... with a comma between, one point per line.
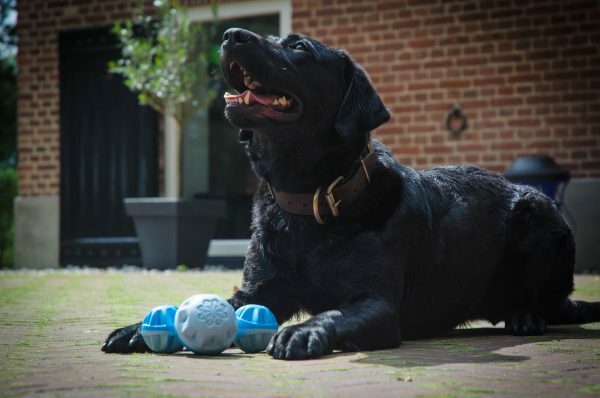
x=478, y=345
x=220, y=357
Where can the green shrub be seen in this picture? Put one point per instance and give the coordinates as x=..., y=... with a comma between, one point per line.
x=8, y=191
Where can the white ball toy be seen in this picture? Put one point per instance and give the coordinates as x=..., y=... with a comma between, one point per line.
x=206, y=324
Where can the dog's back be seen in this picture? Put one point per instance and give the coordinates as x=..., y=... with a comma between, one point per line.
x=495, y=251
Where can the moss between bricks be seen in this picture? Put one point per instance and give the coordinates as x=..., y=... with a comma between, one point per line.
x=62, y=320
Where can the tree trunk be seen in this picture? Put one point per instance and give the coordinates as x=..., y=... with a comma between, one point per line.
x=172, y=156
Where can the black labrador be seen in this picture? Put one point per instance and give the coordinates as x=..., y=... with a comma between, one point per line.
x=374, y=251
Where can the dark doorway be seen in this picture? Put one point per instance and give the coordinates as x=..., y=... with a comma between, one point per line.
x=109, y=151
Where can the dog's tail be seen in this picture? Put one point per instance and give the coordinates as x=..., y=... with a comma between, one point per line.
x=574, y=312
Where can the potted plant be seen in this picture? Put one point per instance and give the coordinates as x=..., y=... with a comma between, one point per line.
x=162, y=57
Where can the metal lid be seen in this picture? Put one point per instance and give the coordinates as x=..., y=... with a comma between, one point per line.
x=536, y=168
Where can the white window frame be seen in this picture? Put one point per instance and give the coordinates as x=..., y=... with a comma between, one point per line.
x=241, y=9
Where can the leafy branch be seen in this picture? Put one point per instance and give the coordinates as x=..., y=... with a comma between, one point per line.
x=163, y=56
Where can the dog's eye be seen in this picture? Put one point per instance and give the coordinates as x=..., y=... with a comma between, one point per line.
x=300, y=46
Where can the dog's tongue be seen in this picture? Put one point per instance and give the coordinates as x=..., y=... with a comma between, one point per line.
x=248, y=98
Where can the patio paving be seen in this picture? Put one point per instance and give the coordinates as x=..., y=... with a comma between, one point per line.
x=52, y=324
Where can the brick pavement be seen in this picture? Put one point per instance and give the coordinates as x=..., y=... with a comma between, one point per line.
x=52, y=325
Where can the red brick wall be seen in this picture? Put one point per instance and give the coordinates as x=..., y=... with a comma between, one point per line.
x=39, y=23
x=527, y=74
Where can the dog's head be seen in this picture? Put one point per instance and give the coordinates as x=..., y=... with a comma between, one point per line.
x=297, y=85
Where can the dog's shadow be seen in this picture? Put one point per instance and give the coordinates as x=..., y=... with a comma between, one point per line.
x=480, y=345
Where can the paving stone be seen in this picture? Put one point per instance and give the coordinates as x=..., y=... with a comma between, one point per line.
x=53, y=323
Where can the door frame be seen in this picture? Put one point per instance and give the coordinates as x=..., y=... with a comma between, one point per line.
x=237, y=248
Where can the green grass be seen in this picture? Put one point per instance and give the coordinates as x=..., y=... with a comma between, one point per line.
x=591, y=389
x=54, y=325
x=589, y=288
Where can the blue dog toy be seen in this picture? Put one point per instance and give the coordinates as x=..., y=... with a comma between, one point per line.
x=256, y=325
x=206, y=324
x=161, y=333
x=158, y=330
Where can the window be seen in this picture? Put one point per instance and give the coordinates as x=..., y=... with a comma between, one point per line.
x=214, y=164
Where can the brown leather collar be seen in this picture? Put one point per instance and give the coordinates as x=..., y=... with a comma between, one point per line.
x=341, y=190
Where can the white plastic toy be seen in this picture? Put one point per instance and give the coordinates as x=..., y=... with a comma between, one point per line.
x=206, y=324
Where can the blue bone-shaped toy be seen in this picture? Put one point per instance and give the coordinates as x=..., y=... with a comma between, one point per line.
x=255, y=327
x=158, y=330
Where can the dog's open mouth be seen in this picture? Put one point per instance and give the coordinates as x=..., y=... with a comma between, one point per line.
x=258, y=98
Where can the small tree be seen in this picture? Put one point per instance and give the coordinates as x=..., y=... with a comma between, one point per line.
x=162, y=57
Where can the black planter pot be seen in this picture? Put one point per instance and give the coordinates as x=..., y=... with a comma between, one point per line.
x=174, y=231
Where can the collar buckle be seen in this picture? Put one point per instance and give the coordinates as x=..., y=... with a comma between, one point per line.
x=331, y=201
x=362, y=161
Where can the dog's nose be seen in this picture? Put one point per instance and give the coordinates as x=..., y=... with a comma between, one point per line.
x=237, y=35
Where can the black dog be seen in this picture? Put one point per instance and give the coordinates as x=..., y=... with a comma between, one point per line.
x=384, y=252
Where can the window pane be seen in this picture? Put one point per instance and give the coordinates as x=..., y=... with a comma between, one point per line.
x=214, y=162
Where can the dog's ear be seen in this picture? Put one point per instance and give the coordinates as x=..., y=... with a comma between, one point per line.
x=361, y=109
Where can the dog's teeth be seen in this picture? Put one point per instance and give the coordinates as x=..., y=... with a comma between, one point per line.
x=247, y=98
x=231, y=65
x=275, y=101
x=240, y=100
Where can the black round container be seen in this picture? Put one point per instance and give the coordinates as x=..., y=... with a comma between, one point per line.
x=541, y=172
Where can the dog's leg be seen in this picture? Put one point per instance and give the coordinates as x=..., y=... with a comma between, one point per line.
x=261, y=285
x=367, y=324
x=542, y=260
x=275, y=294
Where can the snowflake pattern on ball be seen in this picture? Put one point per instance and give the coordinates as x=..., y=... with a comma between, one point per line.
x=212, y=312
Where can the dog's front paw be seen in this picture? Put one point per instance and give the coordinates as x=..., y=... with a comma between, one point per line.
x=125, y=340
x=302, y=342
